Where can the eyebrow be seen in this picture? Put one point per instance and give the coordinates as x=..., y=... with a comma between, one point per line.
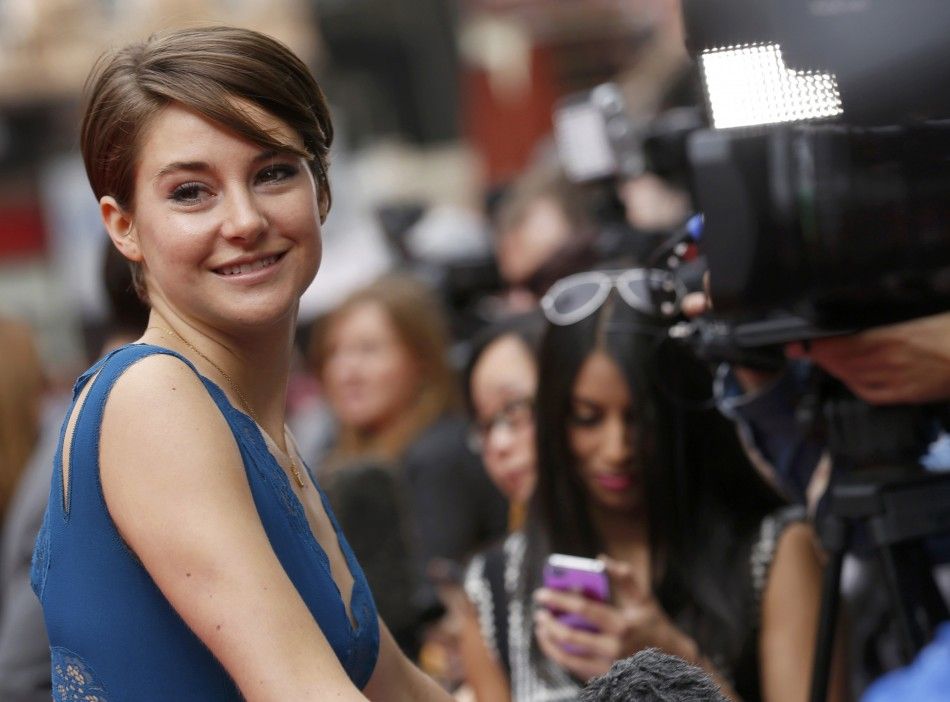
x=202, y=166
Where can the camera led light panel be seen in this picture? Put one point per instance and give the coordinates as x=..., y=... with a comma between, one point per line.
x=750, y=85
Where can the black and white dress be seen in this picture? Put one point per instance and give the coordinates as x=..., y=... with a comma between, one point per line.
x=498, y=583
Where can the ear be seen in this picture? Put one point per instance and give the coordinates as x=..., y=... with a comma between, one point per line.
x=120, y=228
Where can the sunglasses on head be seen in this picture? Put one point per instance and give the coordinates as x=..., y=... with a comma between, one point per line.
x=651, y=291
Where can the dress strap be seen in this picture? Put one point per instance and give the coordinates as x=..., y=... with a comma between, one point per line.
x=80, y=446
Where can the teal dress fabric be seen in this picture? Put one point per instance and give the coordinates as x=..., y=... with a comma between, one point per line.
x=113, y=635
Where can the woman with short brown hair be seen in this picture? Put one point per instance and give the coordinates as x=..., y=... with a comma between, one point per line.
x=187, y=552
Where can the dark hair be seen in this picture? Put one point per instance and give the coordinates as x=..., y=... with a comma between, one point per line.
x=704, y=499
x=204, y=69
x=653, y=676
x=527, y=327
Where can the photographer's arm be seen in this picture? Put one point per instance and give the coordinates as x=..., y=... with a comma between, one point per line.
x=902, y=363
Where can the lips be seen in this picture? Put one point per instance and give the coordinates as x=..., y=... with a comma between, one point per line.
x=615, y=482
x=248, y=267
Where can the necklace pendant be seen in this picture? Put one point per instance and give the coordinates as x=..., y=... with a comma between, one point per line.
x=296, y=472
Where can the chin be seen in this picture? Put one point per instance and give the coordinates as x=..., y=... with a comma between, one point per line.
x=619, y=502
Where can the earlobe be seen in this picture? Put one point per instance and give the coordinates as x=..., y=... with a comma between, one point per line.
x=120, y=227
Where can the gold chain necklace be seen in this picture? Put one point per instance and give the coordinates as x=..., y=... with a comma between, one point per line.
x=247, y=405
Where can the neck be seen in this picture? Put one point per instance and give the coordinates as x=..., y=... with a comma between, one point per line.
x=258, y=362
x=621, y=532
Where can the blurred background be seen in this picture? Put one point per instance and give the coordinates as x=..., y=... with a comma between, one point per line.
x=438, y=105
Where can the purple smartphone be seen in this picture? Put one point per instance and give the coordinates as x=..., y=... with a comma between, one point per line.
x=585, y=576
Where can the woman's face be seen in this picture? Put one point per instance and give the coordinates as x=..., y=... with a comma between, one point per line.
x=228, y=232
x=601, y=434
x=503, y=385
x=370, y=377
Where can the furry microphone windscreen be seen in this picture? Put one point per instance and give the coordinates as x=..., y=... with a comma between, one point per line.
x=653, y=676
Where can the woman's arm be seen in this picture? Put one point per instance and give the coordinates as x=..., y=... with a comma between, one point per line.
x=396, y=679
x=790, y=610
x=484, y=674
x=174, y=483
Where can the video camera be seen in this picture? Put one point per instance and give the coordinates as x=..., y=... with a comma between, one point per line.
x=824, y=184
x=824, y=181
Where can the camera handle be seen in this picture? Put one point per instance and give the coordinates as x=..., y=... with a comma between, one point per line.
x=895, y=505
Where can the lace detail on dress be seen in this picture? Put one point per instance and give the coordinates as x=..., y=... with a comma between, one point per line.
x=39, y=565
x=73, y=681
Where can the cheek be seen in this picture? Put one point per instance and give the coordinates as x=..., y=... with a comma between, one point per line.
x=584, y=444
x=391, y=386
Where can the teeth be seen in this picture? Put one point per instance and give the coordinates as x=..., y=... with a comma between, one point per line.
x=249, y=267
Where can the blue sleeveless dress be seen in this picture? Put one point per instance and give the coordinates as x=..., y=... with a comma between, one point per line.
x=113, y=635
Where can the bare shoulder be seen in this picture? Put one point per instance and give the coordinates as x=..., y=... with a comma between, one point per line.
x=154, y=382
x=160, y=398
x=163, y=438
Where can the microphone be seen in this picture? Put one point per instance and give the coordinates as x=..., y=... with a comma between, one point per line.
x=653, y=676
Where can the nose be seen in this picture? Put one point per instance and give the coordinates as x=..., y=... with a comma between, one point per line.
x=244, y=219
x=500, y=438
x=617, y=444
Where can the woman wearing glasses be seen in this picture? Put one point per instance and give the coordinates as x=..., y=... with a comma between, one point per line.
x=501, y=380
x=705, y=560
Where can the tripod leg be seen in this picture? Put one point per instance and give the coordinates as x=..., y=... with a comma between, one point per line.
x=834, y=536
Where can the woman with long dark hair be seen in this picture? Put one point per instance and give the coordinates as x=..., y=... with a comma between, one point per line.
x=706, y=561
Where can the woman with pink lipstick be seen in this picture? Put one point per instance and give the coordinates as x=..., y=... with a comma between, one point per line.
x=705, y=560
x=187, y=552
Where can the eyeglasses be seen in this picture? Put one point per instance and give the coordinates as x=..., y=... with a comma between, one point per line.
x=514, y=415
x=651, y=291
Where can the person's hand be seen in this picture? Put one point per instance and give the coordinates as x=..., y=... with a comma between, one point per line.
x=900, y=363
x=634, y=622
x=697, y=303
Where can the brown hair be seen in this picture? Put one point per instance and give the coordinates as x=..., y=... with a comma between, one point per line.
x=21, y=384
x=204, y=69
x=544, y=182
x=418, y=320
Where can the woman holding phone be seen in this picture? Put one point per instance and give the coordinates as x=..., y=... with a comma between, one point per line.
x=705, y=561
x=187, y=552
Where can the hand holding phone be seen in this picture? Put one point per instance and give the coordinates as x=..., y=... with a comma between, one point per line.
x=585, y=576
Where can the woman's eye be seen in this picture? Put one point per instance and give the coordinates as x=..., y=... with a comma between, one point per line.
x=188, y=193
x=276, y=173
x=584, y=417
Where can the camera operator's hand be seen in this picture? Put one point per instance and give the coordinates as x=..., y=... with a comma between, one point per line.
x=901, y=363
x=751, y=379
x=634, y=622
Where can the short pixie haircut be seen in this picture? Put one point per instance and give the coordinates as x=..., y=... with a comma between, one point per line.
x=203, y=69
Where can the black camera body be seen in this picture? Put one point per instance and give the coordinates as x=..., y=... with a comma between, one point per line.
x=843, y=226
x=825, y=180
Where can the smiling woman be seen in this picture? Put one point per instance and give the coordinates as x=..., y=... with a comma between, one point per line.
x=187, y=552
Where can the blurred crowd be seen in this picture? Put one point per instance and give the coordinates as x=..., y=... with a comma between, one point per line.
x=462, y=429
